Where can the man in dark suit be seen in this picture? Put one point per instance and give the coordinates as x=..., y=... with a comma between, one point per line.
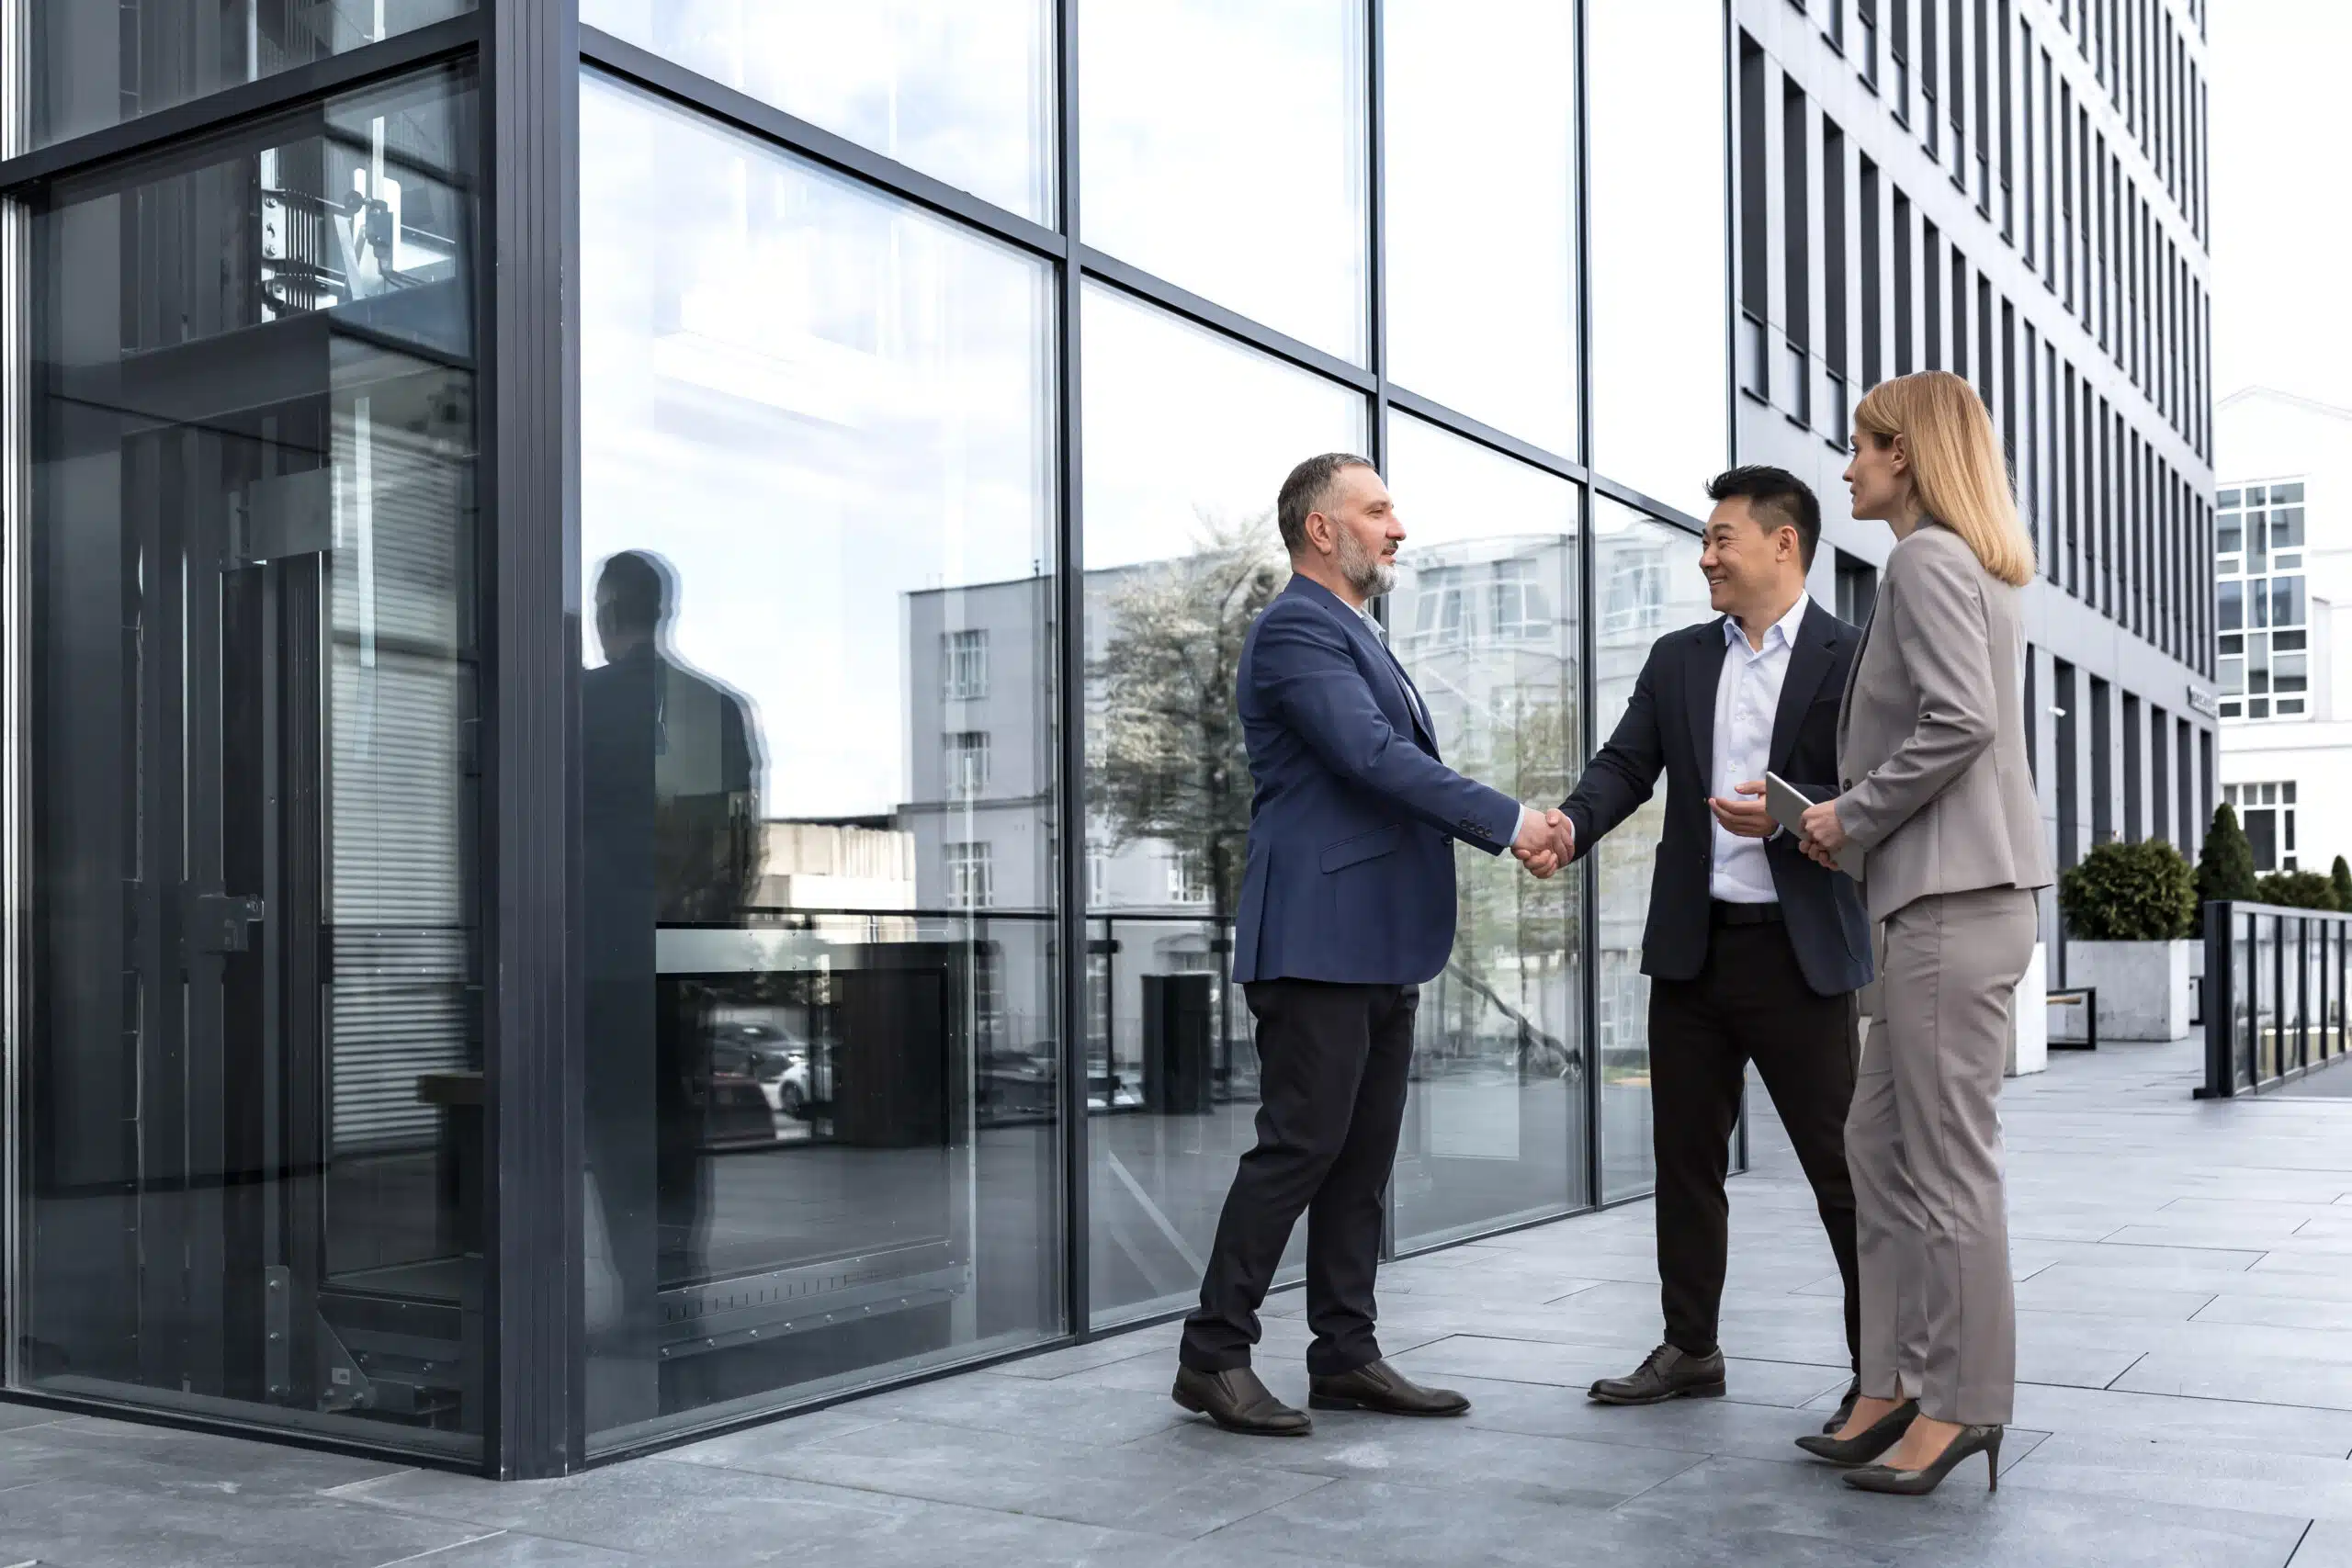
x=1347, y=905
x=1754, y=952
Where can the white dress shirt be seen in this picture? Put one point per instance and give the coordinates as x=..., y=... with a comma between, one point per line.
x=1747, y=697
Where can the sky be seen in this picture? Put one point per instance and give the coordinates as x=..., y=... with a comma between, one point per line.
x=2281, y=160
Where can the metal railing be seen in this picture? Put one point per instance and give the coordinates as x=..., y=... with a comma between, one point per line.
x=2274, y=994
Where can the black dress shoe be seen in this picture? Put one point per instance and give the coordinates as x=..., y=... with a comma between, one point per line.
x=1237, y=1402
x=1864, y=1446
x=1968, y=1441
x=1669, y=1373
x=1379, y=1387
x=1836, y=1423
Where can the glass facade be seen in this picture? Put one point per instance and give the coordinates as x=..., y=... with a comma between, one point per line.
x=902, y=404
x=250, y=1135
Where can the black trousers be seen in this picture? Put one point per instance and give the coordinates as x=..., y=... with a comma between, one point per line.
x=1748, y=1002
x=1332, y=1066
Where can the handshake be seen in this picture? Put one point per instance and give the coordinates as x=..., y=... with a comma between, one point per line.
x=1546, y=841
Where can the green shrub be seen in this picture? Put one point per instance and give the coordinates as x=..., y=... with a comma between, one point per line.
x=2142, y=892
x=2339, y=876
x=2226, y=868
x=2297, y=890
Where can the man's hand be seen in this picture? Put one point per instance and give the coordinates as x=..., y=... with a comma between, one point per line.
x=1824, y=835
x=1545, y=841
x=1748, y=819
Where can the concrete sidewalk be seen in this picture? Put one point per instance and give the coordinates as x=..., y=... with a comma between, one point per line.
x=2185, y=1337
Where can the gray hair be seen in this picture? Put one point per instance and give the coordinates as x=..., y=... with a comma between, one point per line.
x=1309, y=489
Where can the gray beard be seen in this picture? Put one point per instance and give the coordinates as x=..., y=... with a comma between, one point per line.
x=1366, y=573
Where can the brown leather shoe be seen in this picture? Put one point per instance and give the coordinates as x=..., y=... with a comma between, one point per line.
x=1669, y=1374
x=1379, y=1387
x=1237, y=1402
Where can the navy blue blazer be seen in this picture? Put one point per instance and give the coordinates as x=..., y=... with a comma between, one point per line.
x=1669, y=728
x=1351, y=874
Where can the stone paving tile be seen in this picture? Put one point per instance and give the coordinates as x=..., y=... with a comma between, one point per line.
x=1378, y=1523
x=2329, y=1545
x=1962, y=1523
x=1789, y=1384
x=2127, y=1466
x=1451, y=1455
x=2262, y=1379
x=2223, y=1423
x=1130, y=1488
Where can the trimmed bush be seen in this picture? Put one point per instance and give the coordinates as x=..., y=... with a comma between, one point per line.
x=2226, y=868
x=2142, y=892
x=2297, y=890
x=2339, y=876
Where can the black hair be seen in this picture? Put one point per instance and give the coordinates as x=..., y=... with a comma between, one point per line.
x=1778, y=492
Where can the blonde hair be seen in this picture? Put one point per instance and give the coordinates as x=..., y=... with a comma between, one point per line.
x=1956, y=466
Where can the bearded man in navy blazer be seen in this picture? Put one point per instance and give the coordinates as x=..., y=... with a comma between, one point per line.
x=1347, y=905
x=1754, y=952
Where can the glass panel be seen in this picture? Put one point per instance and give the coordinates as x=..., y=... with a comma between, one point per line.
x=2286, y=601
x=823, y=1139
x=92, y=66
x=2286, y=495
x=1647, y=585
x=1181, y=555
x=1493, y=1124
x=2230, y=597
x=1481, y=212
x=1656, y=84
x=960, y=89
x=2286, y=528
x=2229, y=535
x=1245, y=183
x=253, y=1079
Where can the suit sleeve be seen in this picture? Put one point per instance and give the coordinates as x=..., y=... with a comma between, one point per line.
x=1305, y=672
x=1937, y=615
x=1623, y=773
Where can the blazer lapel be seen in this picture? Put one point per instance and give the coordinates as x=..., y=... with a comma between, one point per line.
x=1414, y=706
x=1701, y=677
x=1808, y=663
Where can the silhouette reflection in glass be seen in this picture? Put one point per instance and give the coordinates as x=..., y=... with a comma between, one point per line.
x=669, y=765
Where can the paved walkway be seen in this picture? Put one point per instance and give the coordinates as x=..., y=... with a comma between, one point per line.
x=2186, y=1282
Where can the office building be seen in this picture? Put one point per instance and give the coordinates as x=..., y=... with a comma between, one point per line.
x=2282, y=559
x=2013, y=191
x=625, y=809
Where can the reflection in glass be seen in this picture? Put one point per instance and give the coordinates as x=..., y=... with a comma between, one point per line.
x=94, y=63
x=961, y=89
x=1189, y=436
x=254, y=1139
x=1646, y=583
x=1484, y=618
x=1223, y=149
x=821, y=1071
x=1654, y=79
x=1481, y=210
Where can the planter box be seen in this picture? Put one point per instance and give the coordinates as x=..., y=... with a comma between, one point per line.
x=2029, y=1020
x=2143, y=986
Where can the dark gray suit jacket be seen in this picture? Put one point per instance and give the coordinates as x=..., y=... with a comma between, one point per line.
x=1669, y=728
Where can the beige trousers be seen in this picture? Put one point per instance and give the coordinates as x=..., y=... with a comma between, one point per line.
x=1923, y=1141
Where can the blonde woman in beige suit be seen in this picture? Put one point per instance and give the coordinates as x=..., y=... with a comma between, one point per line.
x=1937, y=794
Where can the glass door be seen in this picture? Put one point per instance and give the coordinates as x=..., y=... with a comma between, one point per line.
x=251, y=1102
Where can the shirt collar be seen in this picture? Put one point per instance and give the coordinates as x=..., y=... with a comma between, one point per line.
x=1786, y=627
x=1363, y=613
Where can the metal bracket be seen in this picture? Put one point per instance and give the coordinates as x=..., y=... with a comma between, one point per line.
x=277, y=1321
x=222, y=922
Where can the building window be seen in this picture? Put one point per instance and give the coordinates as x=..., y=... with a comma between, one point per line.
x=1188, y=877
x=1857, y=589
x=1517, y=606
x=1637, y=597
x=1437, y=605
x=2261, y=595
x=964, y=658
x=971, y=876
x=968, y=763
x=2266, y=812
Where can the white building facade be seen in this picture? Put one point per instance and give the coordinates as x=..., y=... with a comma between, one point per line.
x=2282, y=552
